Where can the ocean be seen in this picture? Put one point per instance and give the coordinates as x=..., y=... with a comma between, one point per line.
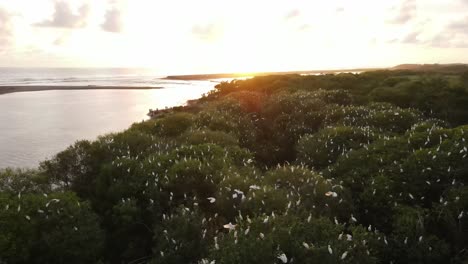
x=82, y=77
x=36, y=125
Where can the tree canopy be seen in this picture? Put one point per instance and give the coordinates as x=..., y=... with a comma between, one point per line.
x=351, y=168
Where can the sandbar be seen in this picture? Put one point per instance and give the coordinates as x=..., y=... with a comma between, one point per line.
x=36, y=88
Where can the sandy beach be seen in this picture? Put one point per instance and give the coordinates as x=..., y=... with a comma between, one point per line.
x=36, y=88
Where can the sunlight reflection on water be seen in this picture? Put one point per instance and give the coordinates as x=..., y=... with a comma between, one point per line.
x=36, y=125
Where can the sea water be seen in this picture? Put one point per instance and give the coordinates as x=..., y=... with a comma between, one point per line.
x=36, y=125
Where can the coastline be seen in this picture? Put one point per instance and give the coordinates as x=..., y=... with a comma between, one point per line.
x=36, y=88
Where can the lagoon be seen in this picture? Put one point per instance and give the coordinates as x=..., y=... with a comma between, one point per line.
x=36, y=125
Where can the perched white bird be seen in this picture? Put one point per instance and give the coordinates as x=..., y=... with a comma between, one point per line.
x=283, y=258
x=332, y=194
x=52, y=200
x=254, y=187
x=330, y=250
x=343, y=256
x=229, y=226
x=211, y=199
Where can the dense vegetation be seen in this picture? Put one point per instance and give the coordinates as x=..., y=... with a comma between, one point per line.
x=347, y=168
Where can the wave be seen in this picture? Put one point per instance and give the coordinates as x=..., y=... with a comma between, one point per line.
x=86, y=77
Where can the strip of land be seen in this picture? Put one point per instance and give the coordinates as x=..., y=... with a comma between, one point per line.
x=421, y=68
x=35, y=88
x=244, y=75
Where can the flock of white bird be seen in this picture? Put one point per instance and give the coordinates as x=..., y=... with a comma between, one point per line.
x=254, y=187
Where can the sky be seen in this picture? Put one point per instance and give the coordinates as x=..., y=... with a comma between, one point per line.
x=207, y=36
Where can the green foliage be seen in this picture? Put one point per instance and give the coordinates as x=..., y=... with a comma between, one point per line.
x=299, y=239
x=434, y=95
x=346, y=168
x=227, y=115
x=180, y=238
x=248, y=101
x=56, y=228
x=173, y=124
x=326, y=146
x=15, y=181
x=197, y=137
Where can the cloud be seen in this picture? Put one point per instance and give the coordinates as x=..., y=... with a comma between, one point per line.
x=113, y=22
x=454, y=35
x=292, y=14
x=65, y=17
x=206, y=32
x=405, y=13
x=441, y=40
x=411, y=38
x=459, y=26
x=449, y=40
x=6, y=31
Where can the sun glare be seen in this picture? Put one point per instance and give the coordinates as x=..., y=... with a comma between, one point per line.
x=241, y=36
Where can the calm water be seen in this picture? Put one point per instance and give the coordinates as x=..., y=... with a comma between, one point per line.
x=36, y=125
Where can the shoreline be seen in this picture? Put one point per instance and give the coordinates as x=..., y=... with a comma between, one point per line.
x=7, y=89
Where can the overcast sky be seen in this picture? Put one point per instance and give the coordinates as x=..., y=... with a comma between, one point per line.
x=196, y=36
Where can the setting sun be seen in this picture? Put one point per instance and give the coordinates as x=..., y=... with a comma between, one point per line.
x=230, y=36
